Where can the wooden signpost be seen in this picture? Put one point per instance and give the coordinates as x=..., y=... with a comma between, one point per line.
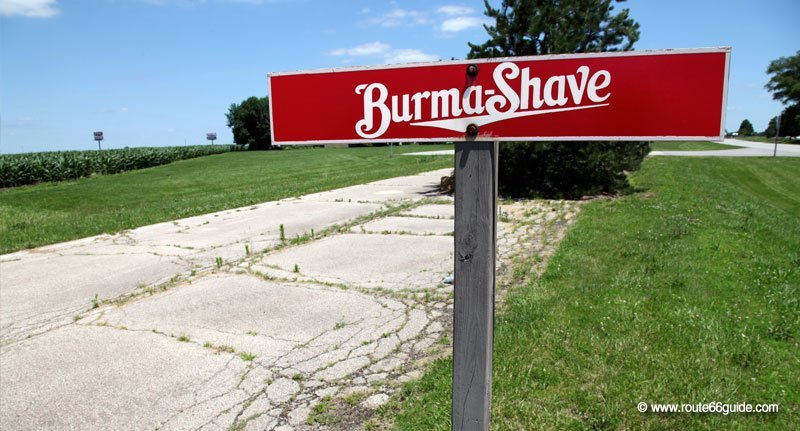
x=619, y=96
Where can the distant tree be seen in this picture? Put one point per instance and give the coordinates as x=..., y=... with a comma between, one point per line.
x=785, y=81
x=785, y=87
x=249, y=122
x=771, y=127
x=746, y=128
x=537, y=27
x=790, y=123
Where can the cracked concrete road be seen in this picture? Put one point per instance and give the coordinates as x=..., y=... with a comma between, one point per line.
x=242, y=319
x=748, y=149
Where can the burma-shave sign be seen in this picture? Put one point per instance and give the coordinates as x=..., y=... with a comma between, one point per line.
x=638, y=95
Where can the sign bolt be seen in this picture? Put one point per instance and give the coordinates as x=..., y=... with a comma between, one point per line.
x=472, y=70
x=472, y=130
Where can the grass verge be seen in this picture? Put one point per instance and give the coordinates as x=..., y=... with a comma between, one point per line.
x=689, y=146
x=685, y=292
x=42, y=214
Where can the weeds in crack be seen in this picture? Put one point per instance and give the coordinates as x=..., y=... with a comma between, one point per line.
x=321, y=415
x=354, y=398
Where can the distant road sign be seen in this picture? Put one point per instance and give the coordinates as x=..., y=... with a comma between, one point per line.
x=98, y=136
x=636, y=95
x=211, y=136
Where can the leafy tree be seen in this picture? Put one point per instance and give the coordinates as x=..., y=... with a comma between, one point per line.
x=249, y=122
x=771, y=129
x=538, y=27
x=785, y=81
x=785, y=87
x=790, y=123
x=746, y=128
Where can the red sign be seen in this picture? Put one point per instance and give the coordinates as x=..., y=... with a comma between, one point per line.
x=644, y=95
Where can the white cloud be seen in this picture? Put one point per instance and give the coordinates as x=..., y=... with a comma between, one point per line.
x=461, y=23
x=455, y=10
x=29, y=8
x=372, y=48
x=386, y=52
x=398, y=17
x=408, y=56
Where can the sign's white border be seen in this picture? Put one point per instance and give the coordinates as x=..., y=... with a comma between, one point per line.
x=724, y=49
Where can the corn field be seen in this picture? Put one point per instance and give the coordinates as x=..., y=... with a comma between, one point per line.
x=32, y=168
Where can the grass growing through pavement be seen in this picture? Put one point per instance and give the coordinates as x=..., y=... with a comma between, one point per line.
x=689, y=146
x=685, y=292
x=48, y=213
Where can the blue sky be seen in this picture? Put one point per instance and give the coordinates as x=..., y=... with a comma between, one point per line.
x=163, y=72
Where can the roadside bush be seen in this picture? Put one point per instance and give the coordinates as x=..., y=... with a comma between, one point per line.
x=32, y=168
x=567, y=170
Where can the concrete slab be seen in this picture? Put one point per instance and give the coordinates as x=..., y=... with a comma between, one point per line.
x=432, y=211
x=80, y=377
x=409, y=225
x=432, y=153
x=267, y=319
x=46, y=287
x=258, y=225
x=390, y=261
x=422, y=179
x=47, y=290
x=414, y=187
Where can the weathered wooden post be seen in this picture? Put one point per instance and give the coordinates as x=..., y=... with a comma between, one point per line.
x=473, y=312
x=612, y=96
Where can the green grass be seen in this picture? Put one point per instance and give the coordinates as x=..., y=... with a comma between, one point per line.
x=320, y=413
x=685, y=292
x=689, y=146
x=42, y=214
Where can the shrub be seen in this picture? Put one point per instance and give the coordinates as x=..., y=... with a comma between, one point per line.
x=567, y=170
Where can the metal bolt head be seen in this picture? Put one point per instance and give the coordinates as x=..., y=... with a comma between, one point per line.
x=472, y=130
x=472, y=70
